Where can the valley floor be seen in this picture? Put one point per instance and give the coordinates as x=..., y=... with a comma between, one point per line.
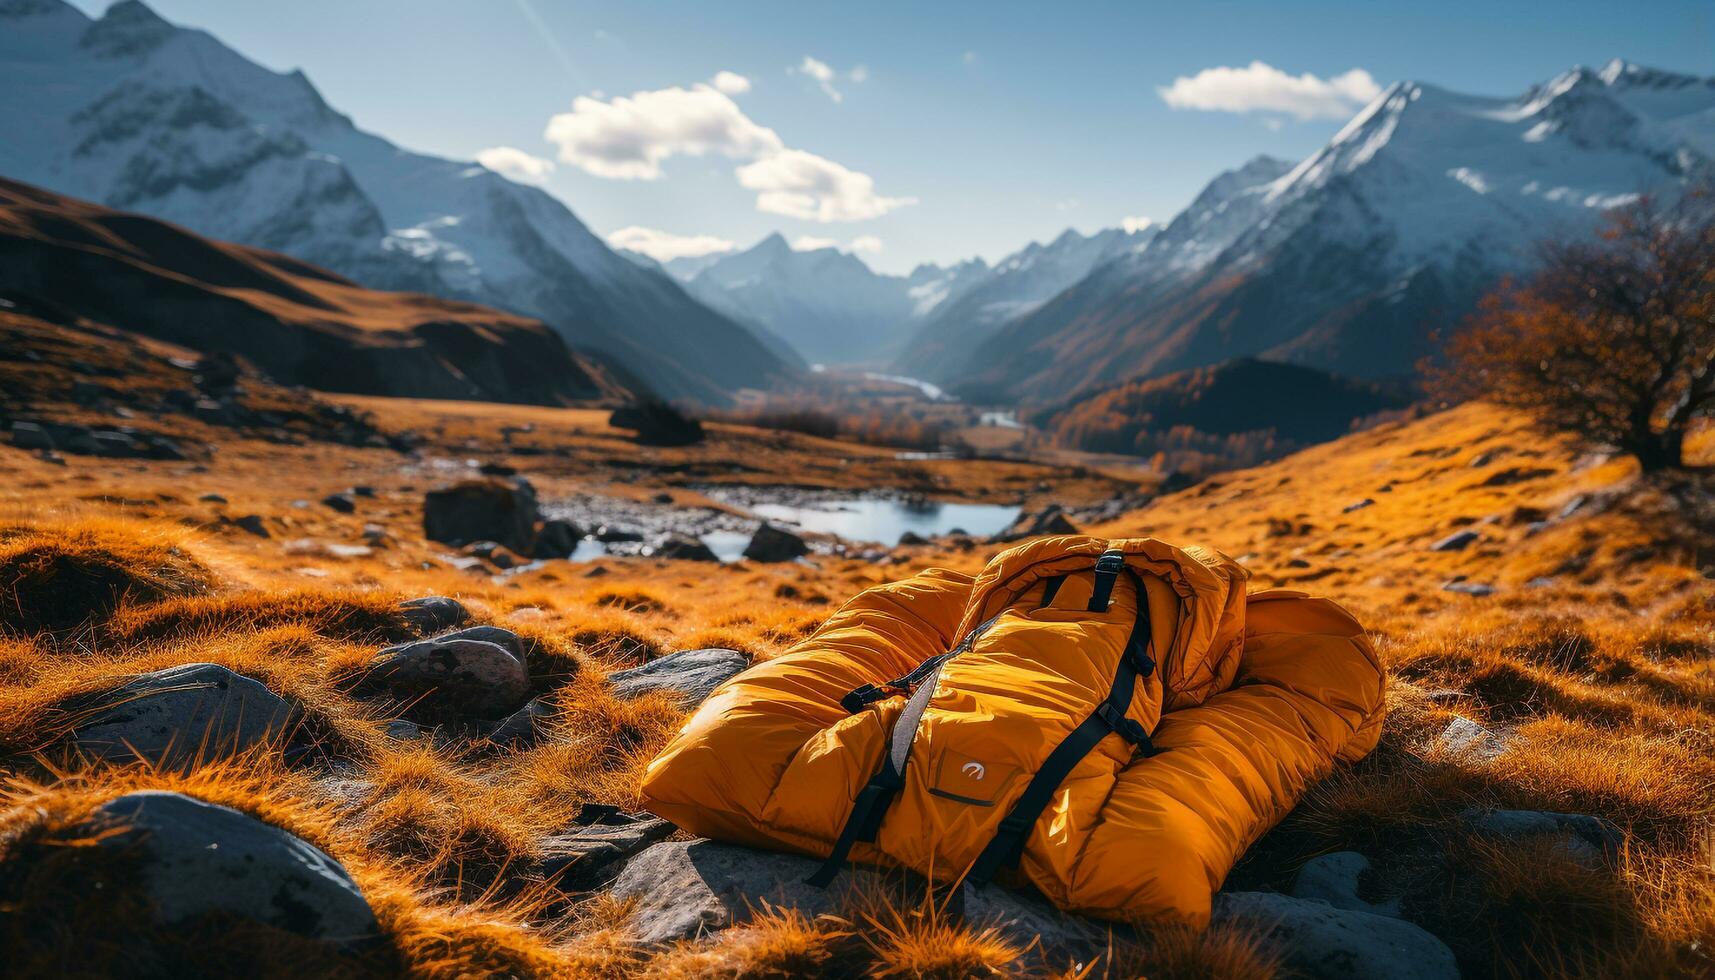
x=1572, y=629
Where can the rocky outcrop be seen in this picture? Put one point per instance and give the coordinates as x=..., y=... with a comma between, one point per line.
x=657, y=424
x=771, y=544
x=1049, y=520
x=683, y=547
x=1315, y=939
x=475, y=673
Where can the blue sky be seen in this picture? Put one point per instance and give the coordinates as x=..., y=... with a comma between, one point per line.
x=959, y=128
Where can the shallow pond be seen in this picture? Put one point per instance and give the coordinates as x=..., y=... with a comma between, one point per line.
x=884, y=519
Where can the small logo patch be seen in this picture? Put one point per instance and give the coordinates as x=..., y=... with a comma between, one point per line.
x=974, y=770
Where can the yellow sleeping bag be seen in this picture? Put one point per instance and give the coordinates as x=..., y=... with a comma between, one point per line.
x=1116, y=721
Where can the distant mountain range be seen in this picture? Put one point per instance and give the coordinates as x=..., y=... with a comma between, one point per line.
x=133, y=112
x=298, y=323
x=1351, y=259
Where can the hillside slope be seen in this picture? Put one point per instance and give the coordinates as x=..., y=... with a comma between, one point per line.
x=300, y=324
x=1245, y=410
x=136, y=113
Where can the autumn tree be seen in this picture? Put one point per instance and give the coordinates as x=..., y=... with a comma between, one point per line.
x=1613, y=339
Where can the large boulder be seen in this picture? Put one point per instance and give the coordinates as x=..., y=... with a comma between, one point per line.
x=475, y=673
x=657, y=424
x=1338, y=878
x=175, y=716
x=686, y=889
x=198, y=859
x=689, y=675
x=556, y=538
x=490, y=509
x=683, y=547
x=1315, y=939
x=1047, y=521
x=770, y=544
x=1589, y=840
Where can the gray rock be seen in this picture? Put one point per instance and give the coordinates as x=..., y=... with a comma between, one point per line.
x=1359, y=505
x=1334, y=878
x=448, y=678
x=499, y=635
x=683, y=547
x=583, y=857
x=770, y=544
x=250, y=523
x=691, y=674
x=403, y=730
x=521, y=728
x=29, y=435
x=1457, y=541
x=433, y=612
x=1469, y=588
x=556, y=538
x=341, y=502
x=912, y=538
x=1049, y=520
x=212, y=498
x=1589, y=840
x=173, y=717
x=494, y=509
x=200, y=858
x=1318, y=940
x=686, y=889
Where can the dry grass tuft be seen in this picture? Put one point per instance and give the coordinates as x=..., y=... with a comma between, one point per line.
x=56, y=578
x=926, y=942
x=776, y=944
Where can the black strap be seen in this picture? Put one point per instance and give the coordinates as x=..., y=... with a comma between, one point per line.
x=877, y=795
x=1108, y=569
x=1051, y=590
x=860, y=698
x=1109, y=718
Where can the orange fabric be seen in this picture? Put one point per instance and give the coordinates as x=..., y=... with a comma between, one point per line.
x=1252, y=700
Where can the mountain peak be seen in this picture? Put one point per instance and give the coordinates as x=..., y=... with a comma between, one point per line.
x=127, y=29
x=19, y=9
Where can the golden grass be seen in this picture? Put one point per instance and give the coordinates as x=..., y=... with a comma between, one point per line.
x=1602, y=683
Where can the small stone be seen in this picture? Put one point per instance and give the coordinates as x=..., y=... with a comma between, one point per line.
x=1335, y=878
x=609, y=534
x=556, y=538
x=663, y=497
x=1457, y=541
x=582, y=857
x=198, y=859
x=212, y=498
x=449, y=678
x=433, y=613
x=771, y=544
x=1298, y=563
x=1316, y=939
x=691, y=674
x=520, y=729
x=1594, y=842
x=29, y=435
x=683, y=547
x=1359, y=505
x=340, y=502
x=251, y=523
x=403, y=730
x=362, y=491
x=1469, y=588
x=910, y=538
x=175, y=717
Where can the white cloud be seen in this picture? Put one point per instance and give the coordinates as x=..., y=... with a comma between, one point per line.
x=515, y=164
x=859, y=74
x=663, y=246
x=1135, y=224
x=858, y=245
x=823, y=75
x=1260, y=87
x=799, y=184
x=628, y=137
x=969, y=57
x=1066, y=205
x=730, y=82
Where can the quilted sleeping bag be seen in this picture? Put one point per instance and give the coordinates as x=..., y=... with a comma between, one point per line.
x=1114, y=721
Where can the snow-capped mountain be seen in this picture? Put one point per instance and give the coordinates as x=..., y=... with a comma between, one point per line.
x=827, y=304
x=137, y=113
x=1350, y=259
x=1016, y=285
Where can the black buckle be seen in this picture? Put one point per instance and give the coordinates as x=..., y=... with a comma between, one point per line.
x=1140, y=659
x=861, y=698
x=1121, y=725
x=1111, y=562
